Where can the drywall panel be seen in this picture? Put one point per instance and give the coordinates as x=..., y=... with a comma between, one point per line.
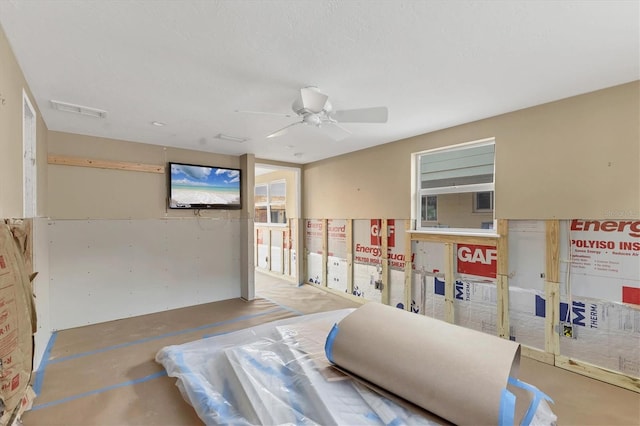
x=41, y=288
x=102, y=270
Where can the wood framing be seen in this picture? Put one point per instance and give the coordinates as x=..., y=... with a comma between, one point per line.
x=537, y=354
x=64, y=160
x=349, y=237
x=502, y=282
x=489, y=240
x=598, y=373
x=325, y=252
x=408, y=264
x=384, y=261
x=449, y=282
x=269, y=249
x=552, y=287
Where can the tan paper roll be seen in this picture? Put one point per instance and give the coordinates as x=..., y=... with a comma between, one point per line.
x=451, y=371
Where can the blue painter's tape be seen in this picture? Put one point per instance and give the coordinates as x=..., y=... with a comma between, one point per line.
x=101, y=390
x=37, y=384
x=328, y=345
x=507, y=413
x=538, y=395
x=285, y=307
x=396, y=422
x=171, y=334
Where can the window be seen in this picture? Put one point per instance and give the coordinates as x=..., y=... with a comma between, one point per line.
x=270, y=202
x=429, y=208
x=455, y=187
x=483, y=201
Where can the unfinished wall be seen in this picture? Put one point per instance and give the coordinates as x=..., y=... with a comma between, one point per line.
x=558, y=160
x=117, y=250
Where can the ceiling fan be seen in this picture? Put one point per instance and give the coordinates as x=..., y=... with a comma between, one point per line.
x=316, y=110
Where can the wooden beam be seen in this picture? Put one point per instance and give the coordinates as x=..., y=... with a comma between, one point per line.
x=269, y=250
x=552, y=318
x=384, y=260
x=64, y=160
x=552, y=287
x=502, y=271
x=349, y=237
x=552, y=264
x=325, y=251
x=449, y=282
x=599, y=373
x=537, y=354
x=450, y=238
x=408, y=265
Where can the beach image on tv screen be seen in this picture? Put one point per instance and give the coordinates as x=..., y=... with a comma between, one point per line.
x=200, y=185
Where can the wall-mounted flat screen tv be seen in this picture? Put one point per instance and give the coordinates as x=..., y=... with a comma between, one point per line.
x=204, y=187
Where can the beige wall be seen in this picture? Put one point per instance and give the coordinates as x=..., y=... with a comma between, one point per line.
x=82, y=192
x=574, y=158
x=12, y=83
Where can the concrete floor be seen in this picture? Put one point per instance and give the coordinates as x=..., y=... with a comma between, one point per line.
x=105, y=374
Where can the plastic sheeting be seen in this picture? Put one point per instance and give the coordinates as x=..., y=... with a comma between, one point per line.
x=276, y=373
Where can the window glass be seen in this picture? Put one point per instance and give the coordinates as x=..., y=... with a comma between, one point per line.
x=270, y=202
x=456, y=187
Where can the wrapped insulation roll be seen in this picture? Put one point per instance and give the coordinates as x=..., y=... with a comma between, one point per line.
x=457, y=373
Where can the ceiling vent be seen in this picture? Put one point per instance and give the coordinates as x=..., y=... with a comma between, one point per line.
x=224, y=137
x=78, y=109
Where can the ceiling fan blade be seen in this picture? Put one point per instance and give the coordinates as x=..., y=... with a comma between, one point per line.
x=362, y=115
x=283, y=130
x=312, y=99
x=335, y=131
x=279, y=114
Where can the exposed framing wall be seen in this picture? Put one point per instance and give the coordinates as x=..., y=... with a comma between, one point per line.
x=551, y=353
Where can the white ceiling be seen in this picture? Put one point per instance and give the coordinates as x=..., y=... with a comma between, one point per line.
x=192, y=64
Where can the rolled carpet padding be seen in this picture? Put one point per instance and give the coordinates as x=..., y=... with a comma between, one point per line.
x=457, y=373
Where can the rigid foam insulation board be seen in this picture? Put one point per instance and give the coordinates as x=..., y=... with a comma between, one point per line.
x=396, y=288
x=603, y=333
x=314, y=269
x=600, y=259
x=337, y=273
x=527, y=239
x=367, y=281
x=475, y=307
x=417, y=364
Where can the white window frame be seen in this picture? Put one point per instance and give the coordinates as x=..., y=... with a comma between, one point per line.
x=29, y=162
x=419, y=192
x=269, y=203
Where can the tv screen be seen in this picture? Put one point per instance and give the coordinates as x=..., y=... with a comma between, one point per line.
x=204, y=187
